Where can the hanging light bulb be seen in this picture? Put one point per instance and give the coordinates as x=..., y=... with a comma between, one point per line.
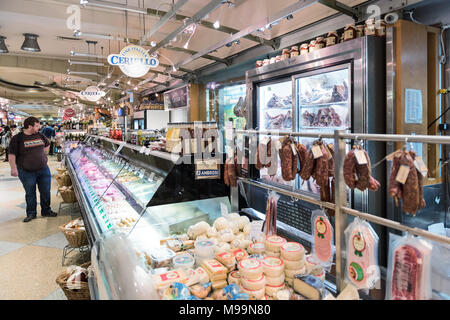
x=216, y=24
x=186, y=45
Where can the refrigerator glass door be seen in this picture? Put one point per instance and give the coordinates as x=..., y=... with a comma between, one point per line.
x=323, y=104
x=275, y=113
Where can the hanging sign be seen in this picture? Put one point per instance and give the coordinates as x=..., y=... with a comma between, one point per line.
x=69, y=113
x=92, y=93
x=176, y=98
x=134, y=61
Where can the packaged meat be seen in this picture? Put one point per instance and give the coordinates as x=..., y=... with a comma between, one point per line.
x=322, y=247
x=362, y=268
x=409, y=270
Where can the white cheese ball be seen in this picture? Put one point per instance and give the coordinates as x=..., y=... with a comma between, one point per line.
x=190, y=232
x=202, y=236
x=234, y=226
x=243, y=221
x=222, y=246
x=234, y=216
x=226, y=237
x=247, y=229
x=221, y=223
x=240, y=236
x=212, y=232
x=201, y=227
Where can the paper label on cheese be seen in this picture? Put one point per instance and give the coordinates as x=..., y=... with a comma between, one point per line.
x=272, y=262
x=257, y=246
x=421, y=166
x=360, y=157
x=323, y=247
x=215, y=266
x=205, y=243
x=239, y=254
x=292, y=247
x=276, y=240
x=402, y=174
x=170, y=276
x=316, y=151
x=294, y=149
x=250, y=264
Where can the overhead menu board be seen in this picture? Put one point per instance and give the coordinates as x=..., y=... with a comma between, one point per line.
x=177, y=98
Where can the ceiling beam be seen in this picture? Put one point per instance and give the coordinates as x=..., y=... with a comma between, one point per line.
x=210, y=25
x=192, y=52
x=342, y=8
x=211, y=6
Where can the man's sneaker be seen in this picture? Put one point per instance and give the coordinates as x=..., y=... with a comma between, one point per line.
x=49, y=214
x=29, y=218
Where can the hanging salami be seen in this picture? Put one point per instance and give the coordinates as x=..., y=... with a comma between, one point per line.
x=288, y=157
x=358, y=170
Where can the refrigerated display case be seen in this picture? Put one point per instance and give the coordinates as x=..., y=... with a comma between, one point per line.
x=138, y=198
x=341, y=87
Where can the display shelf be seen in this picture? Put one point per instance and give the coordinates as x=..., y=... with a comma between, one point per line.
x=319, y=105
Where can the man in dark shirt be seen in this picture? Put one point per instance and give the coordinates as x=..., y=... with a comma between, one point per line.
x=49, y=133
x=28, y=161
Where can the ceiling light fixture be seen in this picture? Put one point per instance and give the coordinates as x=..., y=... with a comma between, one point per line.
x=79, y=54
x=153, y=44
x=84, y=73
x=3, y=48
x=30, y=43
x=79, y=34
x=216, y=24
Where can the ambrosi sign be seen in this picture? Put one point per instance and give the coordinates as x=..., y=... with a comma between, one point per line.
x=133, y=60
x=92, y=93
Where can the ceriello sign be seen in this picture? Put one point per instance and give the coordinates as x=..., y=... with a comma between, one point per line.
x=92, y=93
x=134, y=61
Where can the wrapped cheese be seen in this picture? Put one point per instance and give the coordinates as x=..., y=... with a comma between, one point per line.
x=203, y=275
x=272, y=254
x=225, y=258
x=274, y=243
x=214, y=268
x=205, y=248
x=254, y=284
x=166, y=279
x=312, y=265
x=239, y=254
x=221, y=223
x=273, y=266
x=292, y=251
x=254, y=294
x=243, y=221
x=183, y=261
x=309, y=286
x=234, y=277
x=222, y=246
x=293, y=265
x=250, y=268
x=216, y=285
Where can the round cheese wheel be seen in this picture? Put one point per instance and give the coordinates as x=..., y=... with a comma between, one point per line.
x=221, y=223
x=233, y=216
x=275, y=281
x=234, y=227
x=254, y=284
x=250, y=268
x=272, y=254
x=293, y=265
x=234, y=277
x=205, y=247
x=292, y=251
x=274, y=243
x=312, y=265
x=256, y=248
x=273, y=266
x=183, y=261
x=291, y=273
x=272, y=290
x=201, y=227
x=254, y=294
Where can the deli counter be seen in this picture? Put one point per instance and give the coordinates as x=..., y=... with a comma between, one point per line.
x=130, y=200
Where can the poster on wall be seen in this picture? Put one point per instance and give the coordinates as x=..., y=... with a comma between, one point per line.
x=177, y=98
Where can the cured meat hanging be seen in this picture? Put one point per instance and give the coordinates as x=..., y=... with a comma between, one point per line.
x=271, y=214
x=406, y=182
x=265, y=158
x=358, y=170
x=288, y=156
x=230, y=172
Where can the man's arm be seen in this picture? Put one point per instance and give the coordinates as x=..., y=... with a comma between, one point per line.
x=12, y=164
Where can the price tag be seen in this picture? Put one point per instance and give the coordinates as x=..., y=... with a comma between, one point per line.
x=147, y=151
x=224, y=210
x=142, y=149
x=421, y=166
x=317, y=152
x=278, y=144
x=360, y=157
x=402, y=174
x=294, y=149
x=255, y=230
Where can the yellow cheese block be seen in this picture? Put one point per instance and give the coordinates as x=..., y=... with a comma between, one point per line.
x=309, y=286
x=349, y=293
x=166, y=279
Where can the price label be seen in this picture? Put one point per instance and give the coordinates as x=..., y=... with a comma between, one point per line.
x=316, y=151
x=255, y=230
x=402, y=174
x=360, y=157
x=224, y=210
x=421, y=166
x=294, y=149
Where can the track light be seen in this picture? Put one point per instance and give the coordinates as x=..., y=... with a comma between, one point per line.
x=289, y=17
x=156, y=94
x=78, y=33
x=216, y=24
x=128, y=82
x=99, y=64
x=88, y=55
x=153, y=44
x=30, y=43
x=3, y=48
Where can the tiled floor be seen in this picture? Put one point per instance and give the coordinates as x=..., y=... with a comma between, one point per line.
x=30, y=253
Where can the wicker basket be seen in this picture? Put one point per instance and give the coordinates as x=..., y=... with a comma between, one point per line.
x=75, y=237
x=63, y=180
x=74, y=294
x=68, y=195
x=61, y=170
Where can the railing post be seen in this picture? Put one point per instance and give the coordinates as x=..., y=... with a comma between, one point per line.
x=340, y=201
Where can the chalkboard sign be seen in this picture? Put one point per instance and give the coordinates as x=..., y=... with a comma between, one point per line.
x=177, y=98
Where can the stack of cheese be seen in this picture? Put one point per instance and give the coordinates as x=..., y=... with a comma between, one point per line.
x=293, y=256
x=217, y=273
x=273, y=245
x=274, y=272
x=314, y=268
x=252, y=278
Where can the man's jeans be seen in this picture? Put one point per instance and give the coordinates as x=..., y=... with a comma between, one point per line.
x=43, y=180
